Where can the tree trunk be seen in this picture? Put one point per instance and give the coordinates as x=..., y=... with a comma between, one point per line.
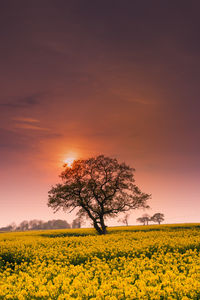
x=103, y=226
x=96, y=226
x=98, y=229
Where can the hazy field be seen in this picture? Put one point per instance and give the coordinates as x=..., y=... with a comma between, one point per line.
x=139, y=262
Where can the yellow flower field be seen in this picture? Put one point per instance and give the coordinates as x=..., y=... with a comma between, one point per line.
x=138, y=262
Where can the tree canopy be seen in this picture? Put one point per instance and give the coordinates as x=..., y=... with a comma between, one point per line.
x=98, y=188
x=144, y=219
x=158, y=218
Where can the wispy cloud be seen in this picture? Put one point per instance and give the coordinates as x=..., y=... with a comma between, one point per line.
x=23, y=102
x=28, y=123
x=29, y=126
x=138, y=100
x=26, y=120
x=130, y=97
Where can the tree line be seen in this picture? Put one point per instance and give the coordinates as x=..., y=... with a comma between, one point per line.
x=42, y=225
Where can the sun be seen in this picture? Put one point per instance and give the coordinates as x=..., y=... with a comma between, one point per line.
x=69, y=161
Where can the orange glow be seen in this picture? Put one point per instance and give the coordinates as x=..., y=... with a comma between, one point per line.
x=69, y=161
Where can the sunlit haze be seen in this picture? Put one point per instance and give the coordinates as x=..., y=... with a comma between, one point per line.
x=69, y=161
x=83, y=78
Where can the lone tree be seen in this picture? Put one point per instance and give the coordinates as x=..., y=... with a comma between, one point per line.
x=125, y=219
x=99, y=187
x=157, y=218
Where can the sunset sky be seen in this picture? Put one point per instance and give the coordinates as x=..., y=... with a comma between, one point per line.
x=82, y=78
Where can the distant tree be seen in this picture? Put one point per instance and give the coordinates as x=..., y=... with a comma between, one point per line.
x=36, y=224
x=76, y=223
x=98, y=188
x=141, y=220
x=144, y=219
x=125, y=219
x=13, y=226
x=158, y=218
x=60, y=224
x=147, y=218
x=24, y=225
x=6, y=228
x=56, y=224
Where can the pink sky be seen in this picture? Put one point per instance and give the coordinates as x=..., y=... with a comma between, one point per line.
x=120, y=79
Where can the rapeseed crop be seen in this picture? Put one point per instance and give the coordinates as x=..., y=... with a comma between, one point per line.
x=143, y=262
